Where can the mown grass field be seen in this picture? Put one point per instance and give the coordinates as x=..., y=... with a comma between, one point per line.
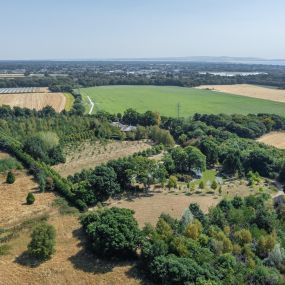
x=116, y=99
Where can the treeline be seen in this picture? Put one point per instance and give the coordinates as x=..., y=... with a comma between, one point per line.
x=222, y=138
x=47, y=178
x=250, y=126
x=117, y=177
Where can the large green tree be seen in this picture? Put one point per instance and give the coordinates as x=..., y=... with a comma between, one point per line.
x=113, y=232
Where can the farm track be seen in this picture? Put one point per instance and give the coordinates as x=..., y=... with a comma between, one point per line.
x=92, y=105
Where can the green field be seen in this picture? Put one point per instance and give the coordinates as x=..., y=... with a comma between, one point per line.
x=116, y=99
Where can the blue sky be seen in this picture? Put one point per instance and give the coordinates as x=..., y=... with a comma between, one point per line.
x=66, y=29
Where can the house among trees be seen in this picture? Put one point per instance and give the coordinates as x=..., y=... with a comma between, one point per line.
x=124, y=128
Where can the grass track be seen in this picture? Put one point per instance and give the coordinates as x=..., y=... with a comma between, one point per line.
x=164, y=99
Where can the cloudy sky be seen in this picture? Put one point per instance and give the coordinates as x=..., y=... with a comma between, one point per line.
x=97, y=29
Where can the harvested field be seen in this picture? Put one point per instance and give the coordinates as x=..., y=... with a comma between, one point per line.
x=13, y=199
x=276, y=139
x=89, y=155
x=248, y=90
x=70, y=265
x=34, y=100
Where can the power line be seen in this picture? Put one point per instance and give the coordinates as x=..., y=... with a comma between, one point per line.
x=178, y=110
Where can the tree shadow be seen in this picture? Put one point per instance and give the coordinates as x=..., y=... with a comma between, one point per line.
x=85, y=259
x=27, y=260
x=87, y=262
x=135, y=272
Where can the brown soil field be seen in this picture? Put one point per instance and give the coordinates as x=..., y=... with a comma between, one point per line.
x=13, y=208
x=34, y=100
x=249, y=91
x=276, y=139
x=89, y=155
x=70, y=265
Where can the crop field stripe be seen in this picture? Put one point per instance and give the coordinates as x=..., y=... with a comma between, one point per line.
x=69, y=101
x=116, y=99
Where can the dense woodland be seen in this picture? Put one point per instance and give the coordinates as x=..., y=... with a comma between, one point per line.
x=241, y=241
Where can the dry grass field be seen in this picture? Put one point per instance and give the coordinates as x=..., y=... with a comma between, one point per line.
x=89, y=155
x=13, y=199
x=276, y=139
x=70, y=265
x=148, y=207
x=34, y=100
x=248, y=90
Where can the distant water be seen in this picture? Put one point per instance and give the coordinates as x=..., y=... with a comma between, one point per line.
x=231, y=74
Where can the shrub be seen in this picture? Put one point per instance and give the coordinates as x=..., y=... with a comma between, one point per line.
x=10, y=177
x=30, y=198
x=43, y=242
x=214, y=185
x=9, y=163
x=172, y=182
x=201, y=185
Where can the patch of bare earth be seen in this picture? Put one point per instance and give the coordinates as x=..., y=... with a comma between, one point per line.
x=70, y=265
x=34, y=100
x=13, y=208
x=88, y=155
x=276, y=139
x=249, y=91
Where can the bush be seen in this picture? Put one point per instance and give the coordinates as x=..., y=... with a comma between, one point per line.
x=8, y=164
x=43, y=242
x=172, y=182
x=10, y=178
x=30, y=198
x=113, y=232
x=214, y=185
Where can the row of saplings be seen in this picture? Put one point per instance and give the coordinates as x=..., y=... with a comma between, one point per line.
x=10, y=179
x=240, y=241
